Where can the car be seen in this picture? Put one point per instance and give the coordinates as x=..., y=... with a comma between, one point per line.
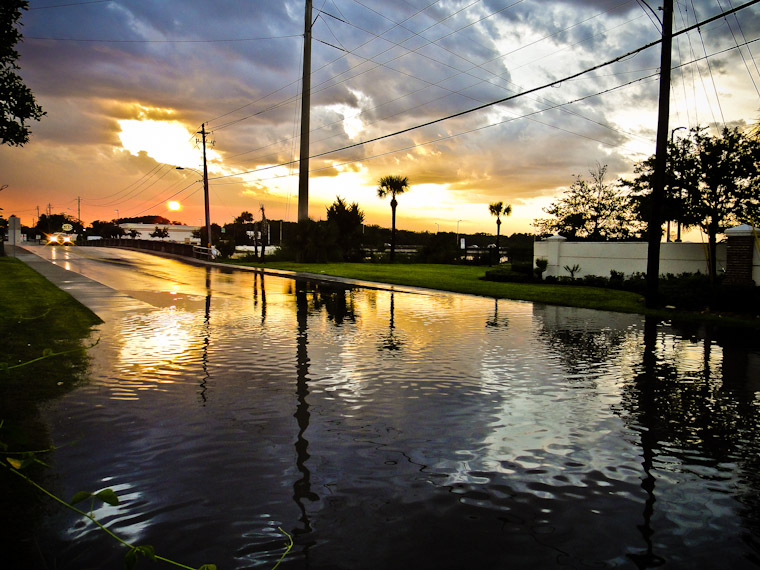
x=60, y=239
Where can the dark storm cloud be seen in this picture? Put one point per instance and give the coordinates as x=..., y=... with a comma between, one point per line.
x=405, y=63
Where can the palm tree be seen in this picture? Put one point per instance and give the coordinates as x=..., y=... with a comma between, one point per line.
x=393, y=185
x=498, y=209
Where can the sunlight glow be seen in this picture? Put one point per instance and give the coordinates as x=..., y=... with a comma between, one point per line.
x=174, y=206
x=169, y=142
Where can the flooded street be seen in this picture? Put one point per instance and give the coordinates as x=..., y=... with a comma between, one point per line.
x=399, y=429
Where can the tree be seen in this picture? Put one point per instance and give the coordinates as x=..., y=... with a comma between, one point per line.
x=244, y=218
x=498, y=209
x=681, y=175
x=716, y=179
x=105, y=230
x=592, y=209
x=392, y=185
x=160, y=233
x=54, y=223
x=16, y=99
x=347, y=221
x=728, y=175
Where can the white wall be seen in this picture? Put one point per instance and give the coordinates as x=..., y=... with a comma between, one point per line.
x=599, y=258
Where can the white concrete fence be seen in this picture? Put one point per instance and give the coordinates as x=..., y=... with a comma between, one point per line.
x=599, y=258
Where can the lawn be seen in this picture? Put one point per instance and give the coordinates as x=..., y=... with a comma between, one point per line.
x=37, y=317
x=467, y=279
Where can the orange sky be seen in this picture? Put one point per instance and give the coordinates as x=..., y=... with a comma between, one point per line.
x=126, y=86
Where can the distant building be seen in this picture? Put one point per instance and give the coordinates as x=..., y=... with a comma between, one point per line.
x=179, y=234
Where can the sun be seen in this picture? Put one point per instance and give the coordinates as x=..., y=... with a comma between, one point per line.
x=174, y=206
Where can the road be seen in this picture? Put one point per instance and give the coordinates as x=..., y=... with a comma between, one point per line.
x=111, y=280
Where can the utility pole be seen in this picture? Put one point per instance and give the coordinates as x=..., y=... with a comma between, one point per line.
x=205, y=190
x=79, y=209
x=661, y=157
x=303, y=165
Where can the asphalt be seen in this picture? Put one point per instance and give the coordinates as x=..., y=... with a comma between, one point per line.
x=102, y=300
x=106, y=302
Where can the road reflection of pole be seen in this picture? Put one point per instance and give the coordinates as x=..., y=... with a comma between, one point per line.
x=495, y=321
x=646, y=384
x=302, y=487
x=206, y=338
x=263, y=295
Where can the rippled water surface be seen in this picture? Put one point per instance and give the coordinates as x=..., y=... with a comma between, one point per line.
x=388, y=429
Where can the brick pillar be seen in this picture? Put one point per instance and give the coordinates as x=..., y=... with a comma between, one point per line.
x=740, y=251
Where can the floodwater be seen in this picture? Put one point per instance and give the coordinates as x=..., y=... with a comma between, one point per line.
x=400, y=429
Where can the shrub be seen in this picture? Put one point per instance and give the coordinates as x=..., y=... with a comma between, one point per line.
x=507, y=276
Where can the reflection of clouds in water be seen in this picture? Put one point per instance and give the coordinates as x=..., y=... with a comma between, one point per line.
x=529, y=432
x=126, y=515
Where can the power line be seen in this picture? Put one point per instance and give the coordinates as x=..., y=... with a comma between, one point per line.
x=517, y=95
x=69, y=5
x=459, y=72
x=216, y=41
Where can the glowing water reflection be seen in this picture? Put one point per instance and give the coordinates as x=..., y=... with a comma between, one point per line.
x=396, y=429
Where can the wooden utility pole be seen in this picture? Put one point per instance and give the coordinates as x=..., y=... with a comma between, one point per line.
x=303, y=165
x=661, y=157
x=205, y=190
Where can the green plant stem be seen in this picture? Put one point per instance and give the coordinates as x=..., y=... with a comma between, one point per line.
x=287, y=549
x=43, y=357
x=90, y=517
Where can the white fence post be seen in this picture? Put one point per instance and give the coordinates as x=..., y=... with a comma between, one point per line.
x=549, y=249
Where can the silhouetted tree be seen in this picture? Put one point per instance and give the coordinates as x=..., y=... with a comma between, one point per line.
x=105, y=230
x=718, y=179
x=17, y=101
x=591, y=209
x=392, y=185
x=498, y=209
x=54, y=223
x=160, y=233
x=347, y=221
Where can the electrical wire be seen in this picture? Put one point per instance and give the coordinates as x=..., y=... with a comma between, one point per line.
x=515, y=96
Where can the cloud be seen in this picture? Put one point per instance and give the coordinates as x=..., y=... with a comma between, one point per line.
x=389, y=66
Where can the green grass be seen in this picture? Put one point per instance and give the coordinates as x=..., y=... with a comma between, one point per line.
x=467, y=279
x=42, y=328
x=26, y=296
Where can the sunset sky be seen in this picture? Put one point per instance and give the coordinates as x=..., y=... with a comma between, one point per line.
x=126, y=85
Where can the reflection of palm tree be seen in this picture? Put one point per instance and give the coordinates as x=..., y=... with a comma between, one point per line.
x=391, y=341
x=392, y=185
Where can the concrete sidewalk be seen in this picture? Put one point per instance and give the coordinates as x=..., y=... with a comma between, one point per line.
x=100, y=299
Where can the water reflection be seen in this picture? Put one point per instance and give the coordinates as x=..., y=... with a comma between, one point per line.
x=412, y=435
x=392, y=340
x=202, y=393
x=302, y=487
x=496, y=320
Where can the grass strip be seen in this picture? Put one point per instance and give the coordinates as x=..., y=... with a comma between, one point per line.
x=467, y=279
x=25, y=295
